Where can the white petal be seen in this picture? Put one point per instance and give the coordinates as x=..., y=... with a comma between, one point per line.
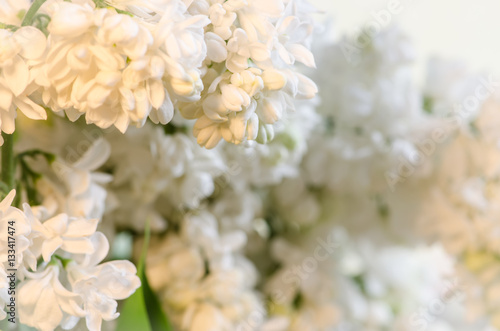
x=273, y=79
x=259, y=52
x=5, y=98
x=307, y=89
x=108, y=78
x=70, y=20
x=252, y=127
x=272, y=111
x=49, y=247
x=156, y=93
x=122, y=121
x=31, y=109
x=96, y=155
x=143, y=106
x=78, y=246
x=33, y=42
x=81, y=228
x=7, y=201
x=58, y=224
x=214, y=108
x=17, y=75
x=273, y=8
x=166, y=111
x=302, y=54
x=237, y=125
x=216, y=47
x=101, y=249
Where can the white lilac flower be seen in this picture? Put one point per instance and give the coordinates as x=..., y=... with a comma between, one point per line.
x=71, y=235
x=210, y=287
x=4, y=293
x=12, y=11
x=292, y=39
x=448, y=85
x=461, y=203
x=304, y=292
x=75, y=187
x=237, y=206
x=373, y=118
x=61, y=277
x=281, y=152
x=306, y=220
x=100, y=285
x=19, y=54
x=249, y=82
x=14, y=218
x=460, y=209
x=116, y=69
x=45, y=303
x=171, y=171
x=359, y=284
x=295, y=203
x=230, y=64
x=380, y=296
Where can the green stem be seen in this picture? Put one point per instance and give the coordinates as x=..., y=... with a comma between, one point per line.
x=145, y=245
x=8, y=26
x=104, y=4
x=28, y=18
x=8, y=169
x=100, y=4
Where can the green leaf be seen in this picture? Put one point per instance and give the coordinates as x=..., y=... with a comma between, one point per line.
x=5, y=325
x=157, y=317
x=142, y=311
x=134, y=315
x=22, y=327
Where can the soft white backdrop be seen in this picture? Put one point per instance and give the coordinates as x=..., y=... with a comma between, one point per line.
x=467, y=30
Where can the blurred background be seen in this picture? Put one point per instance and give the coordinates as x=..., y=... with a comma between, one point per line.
x=453, y=29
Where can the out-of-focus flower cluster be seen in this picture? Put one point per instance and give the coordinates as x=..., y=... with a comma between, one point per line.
x=371, y=207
